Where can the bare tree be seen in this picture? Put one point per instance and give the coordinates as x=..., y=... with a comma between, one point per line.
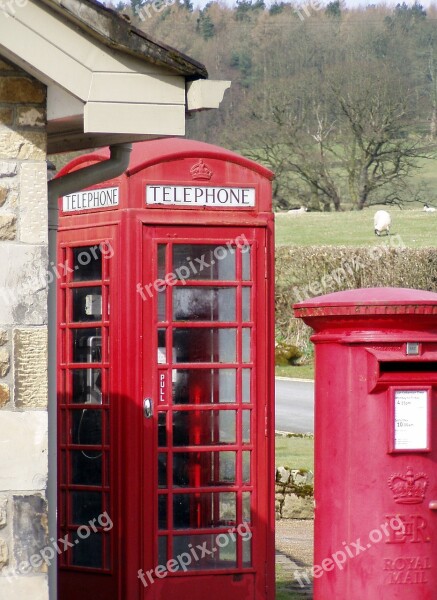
x=350, y=146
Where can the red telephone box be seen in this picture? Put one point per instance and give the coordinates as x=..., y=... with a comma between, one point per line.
x=376, y=446
x=166, y=389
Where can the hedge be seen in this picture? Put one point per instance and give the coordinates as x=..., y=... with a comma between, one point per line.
x=303, y=272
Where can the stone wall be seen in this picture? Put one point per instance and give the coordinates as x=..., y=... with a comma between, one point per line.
x=23, y=334
x=294, y=494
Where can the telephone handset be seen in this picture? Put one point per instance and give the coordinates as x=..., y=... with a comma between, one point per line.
x=90, y=424
x=94, y=377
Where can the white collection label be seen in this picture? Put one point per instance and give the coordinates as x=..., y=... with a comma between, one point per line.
x=411, y=420
x=214, y=197
x=91, y=199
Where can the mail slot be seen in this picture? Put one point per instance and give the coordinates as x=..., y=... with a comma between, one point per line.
x=375, y=443
x=166, y=380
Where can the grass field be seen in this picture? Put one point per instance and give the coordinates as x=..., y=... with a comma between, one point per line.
x=282, y=593
x=296, y=372
x=415, y=228
x=295, y=452
x=412, y=228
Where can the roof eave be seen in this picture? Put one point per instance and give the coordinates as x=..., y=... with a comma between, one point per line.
x=113, y=31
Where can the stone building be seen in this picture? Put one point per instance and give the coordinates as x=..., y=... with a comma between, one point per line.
x=73, y=75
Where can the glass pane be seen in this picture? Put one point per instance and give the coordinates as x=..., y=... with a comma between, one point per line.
x=194, y=469
x=87, y=552
x=161, y=305
x=108, y=553
x=246, y=297
x=87, y=304
x=87, y=263
x=227, y=464
x=247, y=551
x=204, y=510
x=222, y=550
x=162, y=267
x=162, y=429
x=246, y=345
x=246, y=467
x=86, y=467
x=162, y=469
x=205, y=345
x=162, y=550
x=86, y=506
x=87, y=345
x=87, y=427
x=162, y=347
x=204, y=386
x=246, y=386
x=246, y=507
x=227, y=430
x=204, y=428
x=162, y=512
x=63, y=427
x=246, y=426
x=87, y=386
x=245, y=254
x=204, y=304
x=201, y=261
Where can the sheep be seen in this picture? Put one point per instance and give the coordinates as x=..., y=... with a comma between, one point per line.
x=297, y=211
x=429, y=209
x=382, y=222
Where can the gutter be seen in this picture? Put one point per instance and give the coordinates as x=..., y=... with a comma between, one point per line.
x=83, y=178
x=68, y=184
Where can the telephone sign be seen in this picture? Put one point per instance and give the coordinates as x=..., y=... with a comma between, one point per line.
x=200, y=196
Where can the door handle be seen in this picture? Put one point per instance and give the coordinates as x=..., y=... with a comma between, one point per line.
x=148, y=408
x=433, y=505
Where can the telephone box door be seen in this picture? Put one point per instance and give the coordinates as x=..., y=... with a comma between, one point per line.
x=205, y=436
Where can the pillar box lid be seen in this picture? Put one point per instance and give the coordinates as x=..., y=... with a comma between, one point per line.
x=371, y=308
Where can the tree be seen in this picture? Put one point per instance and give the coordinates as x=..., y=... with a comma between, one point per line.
x=333, y=9
x=205, y=25
x=353, y=141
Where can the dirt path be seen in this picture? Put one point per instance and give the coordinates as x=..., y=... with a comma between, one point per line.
x=294, y=553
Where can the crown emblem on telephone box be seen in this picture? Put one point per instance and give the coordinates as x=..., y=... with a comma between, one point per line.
x=408, y=488
x=201, y=171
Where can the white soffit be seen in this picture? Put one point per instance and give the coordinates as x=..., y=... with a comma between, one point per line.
x=92, y=89
x=105, y=79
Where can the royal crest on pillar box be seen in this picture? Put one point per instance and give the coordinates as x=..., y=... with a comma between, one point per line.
x=408, y=488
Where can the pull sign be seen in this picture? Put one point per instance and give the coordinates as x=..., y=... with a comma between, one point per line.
x=91, y=200
x=162, y=386
x=212, y=197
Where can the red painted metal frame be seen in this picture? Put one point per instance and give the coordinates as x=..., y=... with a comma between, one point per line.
x=129, y=227
x=104, y=579
x=217, y=237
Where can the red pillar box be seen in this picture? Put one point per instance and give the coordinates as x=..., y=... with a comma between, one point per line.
x=376, y=444
x=166, y=387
